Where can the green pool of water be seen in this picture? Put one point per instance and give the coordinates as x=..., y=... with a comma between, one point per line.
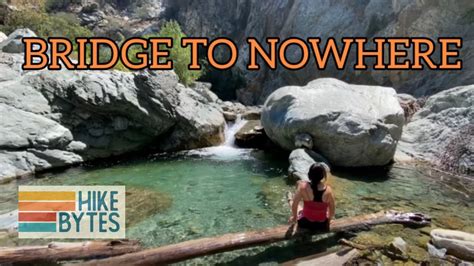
x=172, y=198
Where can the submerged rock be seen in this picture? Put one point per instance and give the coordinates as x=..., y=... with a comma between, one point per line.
x=60, y=118
x=450, y=222
x=435, y=252
x=9, y=221
x=399, y=247
x=351, y=125
x=457, y=243
x=442, y=131
x=143, y=203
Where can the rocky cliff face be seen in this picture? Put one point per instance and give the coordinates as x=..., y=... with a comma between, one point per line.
x=59, y=118
x=240, y=19
x=442, y=132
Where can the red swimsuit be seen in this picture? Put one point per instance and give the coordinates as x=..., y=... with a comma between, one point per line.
x=315, y=213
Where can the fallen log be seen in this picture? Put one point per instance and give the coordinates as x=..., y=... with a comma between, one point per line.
x=207, y=246
x=62, y=251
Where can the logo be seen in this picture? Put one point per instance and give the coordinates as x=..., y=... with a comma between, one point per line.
x=71, y=212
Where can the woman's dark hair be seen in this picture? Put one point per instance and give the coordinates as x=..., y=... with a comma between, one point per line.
x=317, y=172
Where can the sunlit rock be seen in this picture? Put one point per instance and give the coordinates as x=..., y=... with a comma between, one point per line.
x=350, y=125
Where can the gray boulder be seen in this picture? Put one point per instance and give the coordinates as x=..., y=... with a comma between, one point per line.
x=204, y=89
x=351, y=125
x=117, y=112
x=10, y=66
x=442, y=131
x=15, y=163
x=14, y=44
x=234, y=107
x=398, y=246
x=300, y=162
x=61, y=118
x=198, y=123
x=20, y=129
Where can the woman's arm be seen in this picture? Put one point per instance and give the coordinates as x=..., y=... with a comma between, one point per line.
x=331, y=201
x=294, y=205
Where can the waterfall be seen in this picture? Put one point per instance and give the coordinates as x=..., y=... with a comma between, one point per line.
x=227, y=151
x=232, y=129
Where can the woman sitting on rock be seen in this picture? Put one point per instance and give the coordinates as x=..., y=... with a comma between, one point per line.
x=318, y=200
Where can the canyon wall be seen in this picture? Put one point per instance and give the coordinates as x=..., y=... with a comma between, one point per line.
x=239, y=19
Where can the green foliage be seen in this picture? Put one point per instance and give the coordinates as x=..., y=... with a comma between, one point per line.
x=36, y=4
x=45, y=25
x=180, y=56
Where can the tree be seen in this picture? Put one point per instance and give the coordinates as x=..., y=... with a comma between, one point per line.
x=180, y=56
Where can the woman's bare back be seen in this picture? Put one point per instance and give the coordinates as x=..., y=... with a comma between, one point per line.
x=307, y=192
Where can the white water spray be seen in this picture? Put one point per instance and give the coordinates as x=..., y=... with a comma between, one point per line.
x=232, y=129
x=227, y=151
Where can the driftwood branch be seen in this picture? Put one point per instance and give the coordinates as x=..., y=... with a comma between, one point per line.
x=61, y=251
x=207, y=246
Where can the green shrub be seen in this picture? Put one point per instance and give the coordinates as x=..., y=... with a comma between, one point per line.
x=36, y=4
x=180, y=56
x=45, y=25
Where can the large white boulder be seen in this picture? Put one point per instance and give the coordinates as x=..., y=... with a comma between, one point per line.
x=351, y=125
x=457, y=243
